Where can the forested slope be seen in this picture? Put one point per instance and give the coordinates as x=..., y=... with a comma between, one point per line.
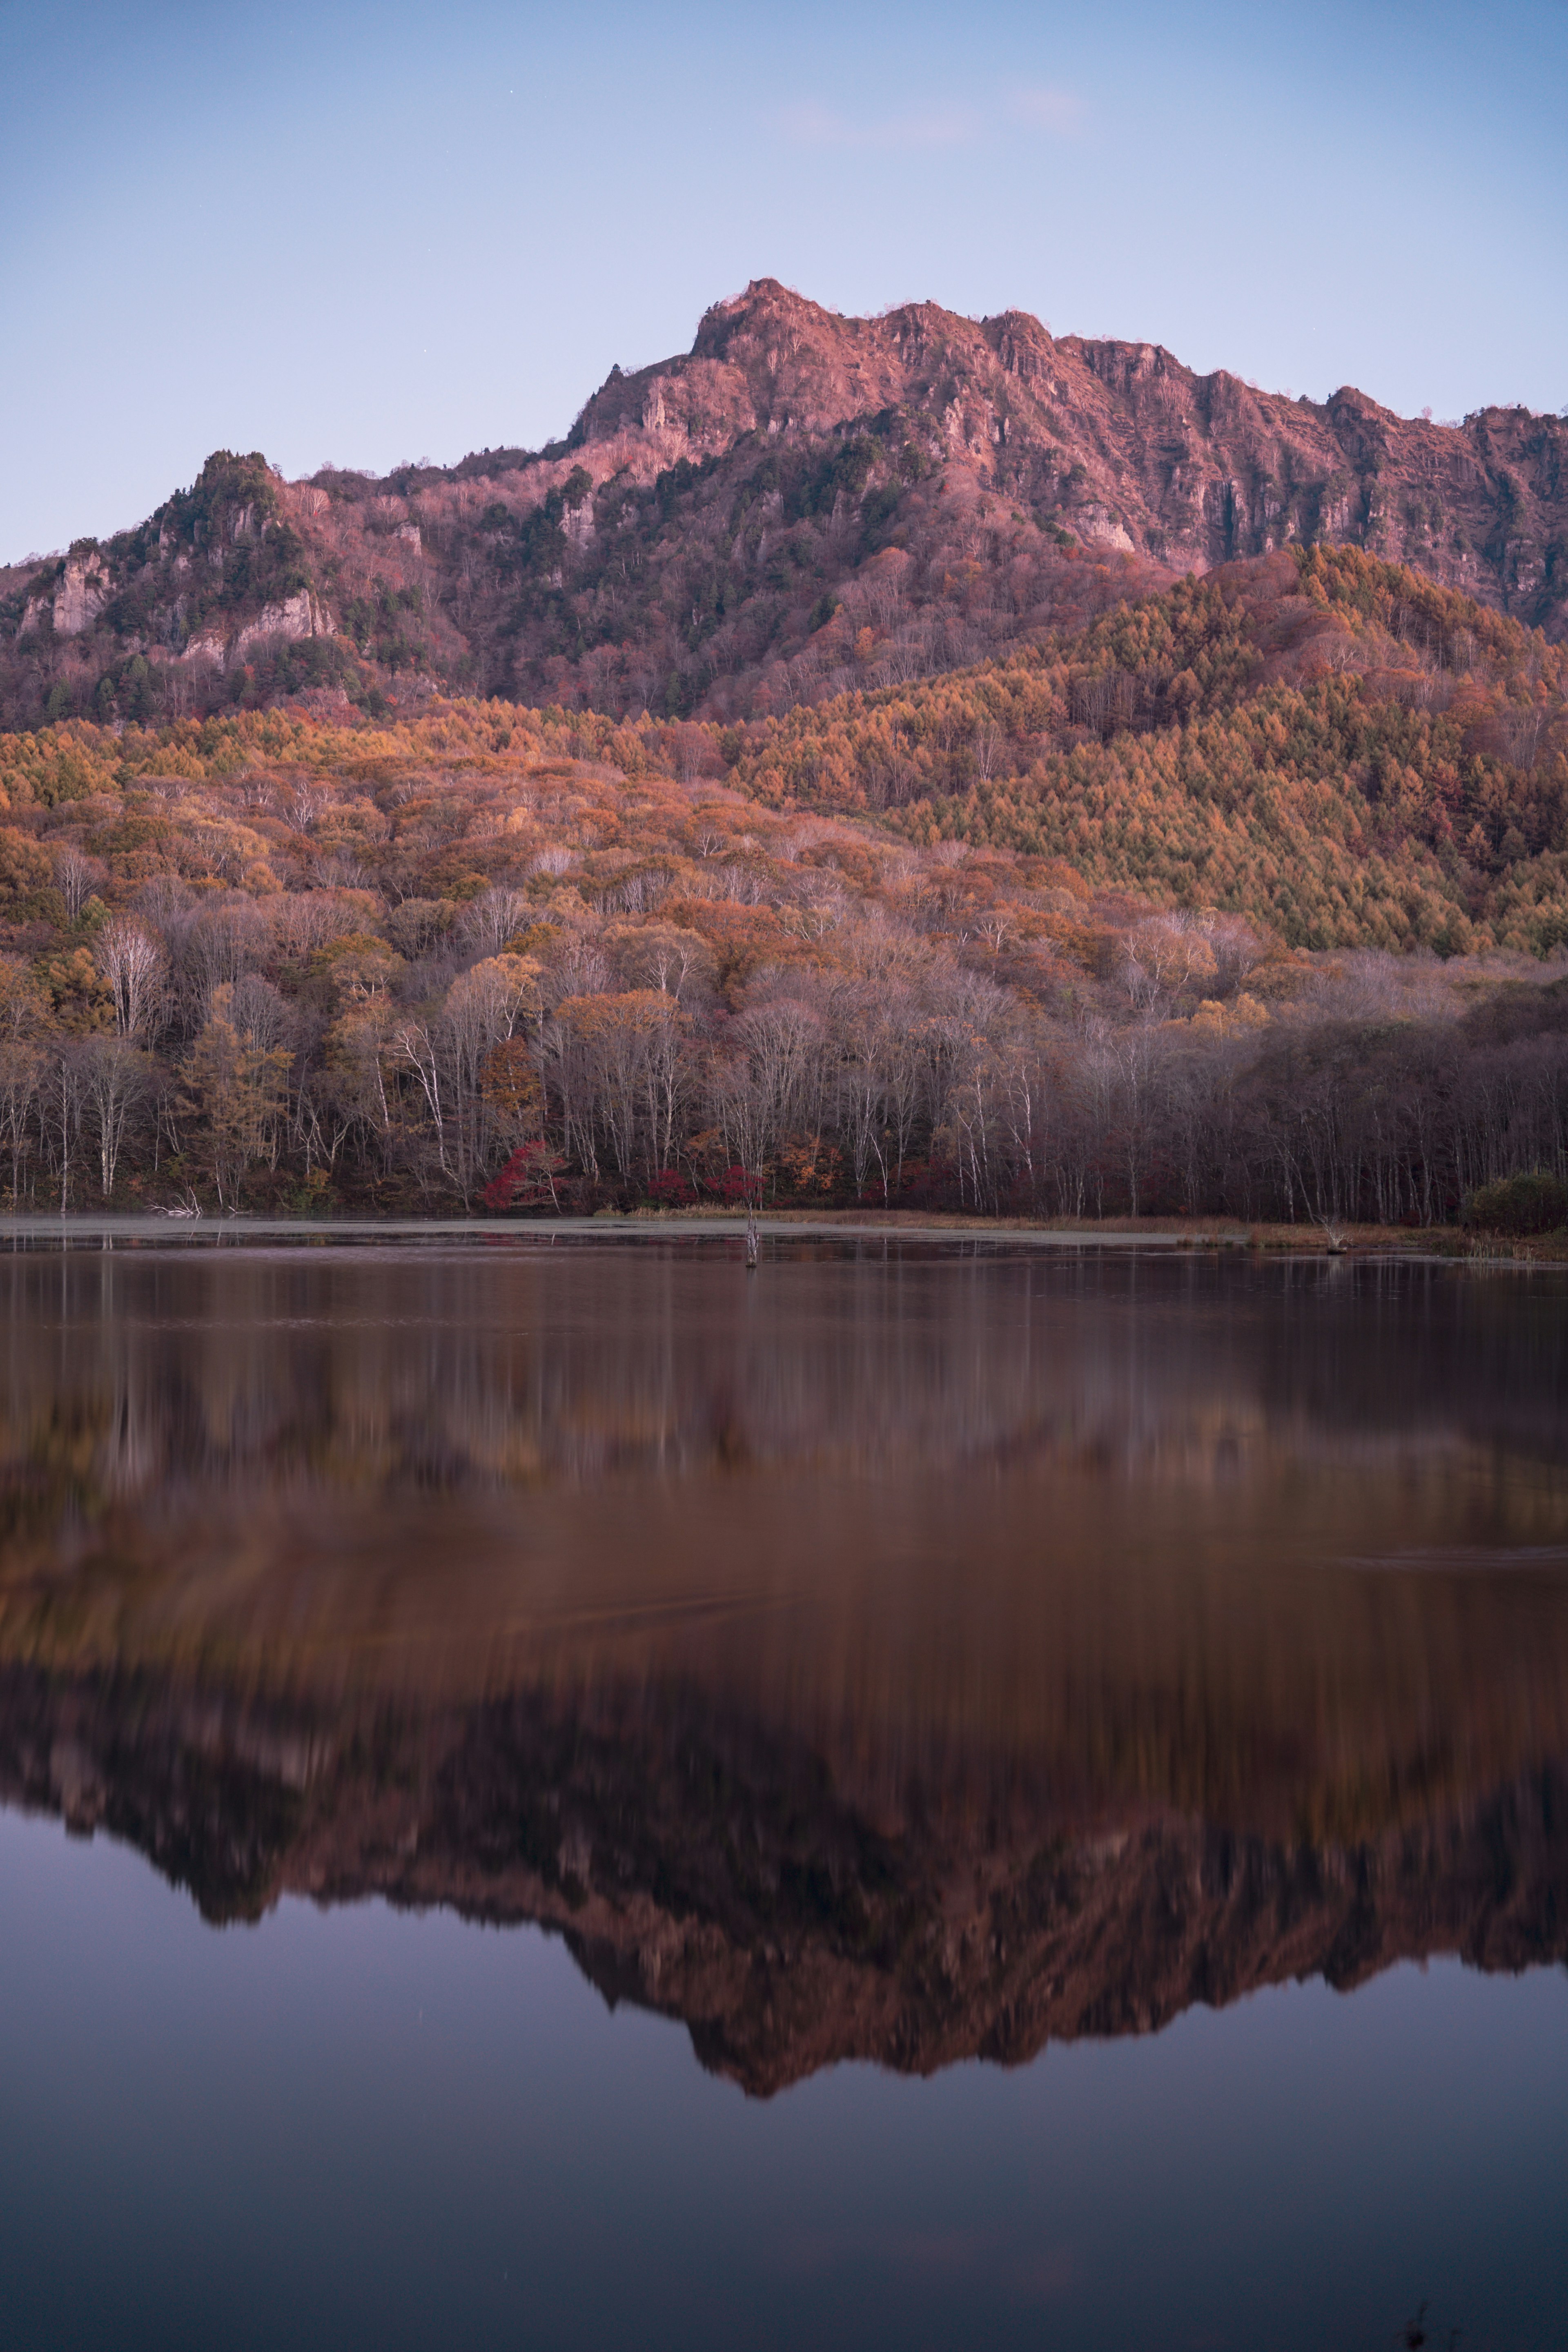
x=1100, y=927
x=1320, y=741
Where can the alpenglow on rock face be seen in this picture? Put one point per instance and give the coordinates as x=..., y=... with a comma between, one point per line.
x=1119, y=438
x=684, y=548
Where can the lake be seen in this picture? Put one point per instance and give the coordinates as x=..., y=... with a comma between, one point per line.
x=558, y=1792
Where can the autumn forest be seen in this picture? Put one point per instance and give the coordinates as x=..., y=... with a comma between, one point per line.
x=1247, y=898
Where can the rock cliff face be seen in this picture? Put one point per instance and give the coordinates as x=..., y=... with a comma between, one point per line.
x=951, y=483
x=1127, y=446
x=702, y=1867
x=80, y=597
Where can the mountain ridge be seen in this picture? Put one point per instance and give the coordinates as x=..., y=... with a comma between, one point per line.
x=685, y=546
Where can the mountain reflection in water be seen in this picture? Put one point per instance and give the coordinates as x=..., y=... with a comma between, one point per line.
x=901, y=1653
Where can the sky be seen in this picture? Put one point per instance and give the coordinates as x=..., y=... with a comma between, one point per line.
x=367, y=234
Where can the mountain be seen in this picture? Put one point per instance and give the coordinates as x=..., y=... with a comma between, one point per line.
x=802, y=504
x=1047, y=860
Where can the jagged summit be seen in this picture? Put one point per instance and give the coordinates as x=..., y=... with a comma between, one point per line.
x=686, y=545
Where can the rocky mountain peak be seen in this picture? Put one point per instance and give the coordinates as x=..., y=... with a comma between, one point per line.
x=684, y=548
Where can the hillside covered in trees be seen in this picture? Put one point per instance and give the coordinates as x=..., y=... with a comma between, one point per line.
x=1109, y=925
x=802, y=505
x=1333, y=746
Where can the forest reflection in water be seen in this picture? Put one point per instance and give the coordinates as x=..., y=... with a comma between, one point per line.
x=901, y=1653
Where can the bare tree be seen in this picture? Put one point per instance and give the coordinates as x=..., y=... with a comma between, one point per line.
x=115, y=1079
x=134, y=964
x=304, y=920
x=485, y=1008
x=772, y=1089
x=412, y=1046
x=493, y=918
x=235, y=1092
x=224, y=943
x=77, y=877
x=21, y=1072
x=663, y=956
x=61, y=1107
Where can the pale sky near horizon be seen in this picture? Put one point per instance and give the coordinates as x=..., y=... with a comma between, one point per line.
x=370, y=234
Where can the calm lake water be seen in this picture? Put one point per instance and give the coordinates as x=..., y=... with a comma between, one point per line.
x=569, y=1796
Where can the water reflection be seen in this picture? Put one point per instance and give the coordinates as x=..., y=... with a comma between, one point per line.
x=895, y=1654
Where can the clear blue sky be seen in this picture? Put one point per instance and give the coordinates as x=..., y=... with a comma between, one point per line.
x=371, y=233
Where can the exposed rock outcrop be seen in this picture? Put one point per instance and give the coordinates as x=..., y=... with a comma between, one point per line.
x=80, y=596
x=297, y=616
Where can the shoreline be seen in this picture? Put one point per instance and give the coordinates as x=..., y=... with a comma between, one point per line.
x=1445, y=1244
